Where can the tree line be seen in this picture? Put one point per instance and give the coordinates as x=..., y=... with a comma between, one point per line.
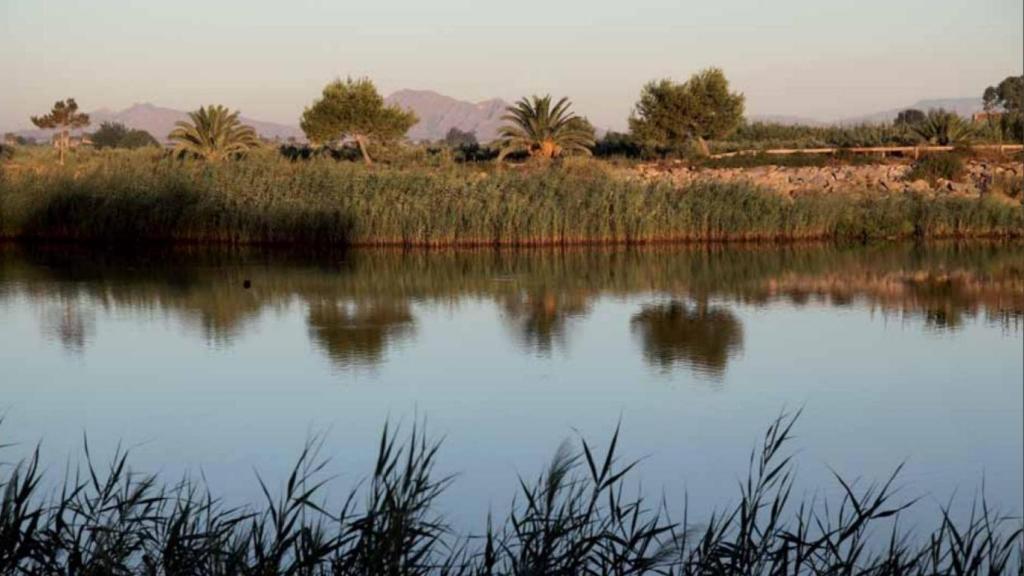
x=669, y=119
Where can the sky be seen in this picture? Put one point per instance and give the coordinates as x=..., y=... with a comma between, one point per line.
x=819, y=59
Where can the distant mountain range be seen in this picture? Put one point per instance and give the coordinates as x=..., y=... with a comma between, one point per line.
x=439, y=113
x=160, y=121
x=962, y=106
x=785, y=120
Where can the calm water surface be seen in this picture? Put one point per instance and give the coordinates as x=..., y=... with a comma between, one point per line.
x=896, y=352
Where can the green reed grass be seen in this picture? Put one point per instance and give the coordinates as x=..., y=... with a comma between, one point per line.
x=575, y=517
x=269, y=200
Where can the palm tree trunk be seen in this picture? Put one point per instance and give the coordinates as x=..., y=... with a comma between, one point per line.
x=62, y=145
x=361, y=141
x=702, y=146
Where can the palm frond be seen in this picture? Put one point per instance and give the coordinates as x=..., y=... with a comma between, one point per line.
x=536, y=127
x=213, y=133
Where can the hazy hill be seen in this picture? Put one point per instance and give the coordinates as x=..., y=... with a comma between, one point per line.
x=785, y=120
x=160, y=121
x=962, y=106
x=439, y=113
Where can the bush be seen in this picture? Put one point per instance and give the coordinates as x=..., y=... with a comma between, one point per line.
x=1008, y=185
x=932, y=167
x=617, y=144
x=117, y=135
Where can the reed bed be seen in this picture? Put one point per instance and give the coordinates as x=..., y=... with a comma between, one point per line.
x=576, y=517
x=267, y=199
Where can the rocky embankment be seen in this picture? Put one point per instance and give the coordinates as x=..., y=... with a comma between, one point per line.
x=981, y=178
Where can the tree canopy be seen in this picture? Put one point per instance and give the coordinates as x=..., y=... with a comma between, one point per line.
x=64, y=117
x=354, y=109
x=117, y=135
x=670, y=116
x=1008, y=95
x=456, y=138
x=910, y=117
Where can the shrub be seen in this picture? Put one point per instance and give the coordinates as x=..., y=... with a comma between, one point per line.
x=932, y=167
x=1009, y=185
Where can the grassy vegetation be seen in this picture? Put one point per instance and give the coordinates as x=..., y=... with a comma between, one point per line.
x=131, y=196
x=767, y=135
x=575, y=517
x=932, y=167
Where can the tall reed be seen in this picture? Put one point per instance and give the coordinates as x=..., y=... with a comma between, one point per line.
x=268, y=200
x=576, y=517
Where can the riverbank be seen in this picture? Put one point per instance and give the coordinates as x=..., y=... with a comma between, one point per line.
x=1002, y=179
x=267, y=199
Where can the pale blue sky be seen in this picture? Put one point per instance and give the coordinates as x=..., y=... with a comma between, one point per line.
x=814, y=58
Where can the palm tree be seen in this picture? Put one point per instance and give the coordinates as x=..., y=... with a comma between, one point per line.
x=214, y=133
x=944, y=128
x=544, y=131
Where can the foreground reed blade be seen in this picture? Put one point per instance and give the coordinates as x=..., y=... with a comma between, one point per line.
x=576, y=517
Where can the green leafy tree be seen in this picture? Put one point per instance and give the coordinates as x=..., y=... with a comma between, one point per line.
x=910, y=117
x=1008, y=97
x=138, y=139
x=63, y=117
x=544, y=131
x=944, y=128
x=617, y=144
x=214, y=133
x=117, y=135
x=672, y=116
x=354, y=109
x=460, y=139
x=12, y=139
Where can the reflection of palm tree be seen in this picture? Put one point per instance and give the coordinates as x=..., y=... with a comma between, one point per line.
x=540, y=318
x=357, y=334
x=70, y=326
x=702, y=337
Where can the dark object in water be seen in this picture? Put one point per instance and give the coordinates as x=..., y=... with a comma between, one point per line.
x=247, y=284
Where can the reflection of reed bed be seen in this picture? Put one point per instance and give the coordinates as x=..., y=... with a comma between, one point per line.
x=537, y=289
x=945, y=297
x=576, y=517
x=132, y=197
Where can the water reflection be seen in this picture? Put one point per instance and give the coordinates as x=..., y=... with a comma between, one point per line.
x=540, y=319
x=356, y=334
x=358, y=305
x=700, y=336
x=68, y=323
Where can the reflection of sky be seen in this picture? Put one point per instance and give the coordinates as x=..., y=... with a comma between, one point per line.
x=877, y=391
